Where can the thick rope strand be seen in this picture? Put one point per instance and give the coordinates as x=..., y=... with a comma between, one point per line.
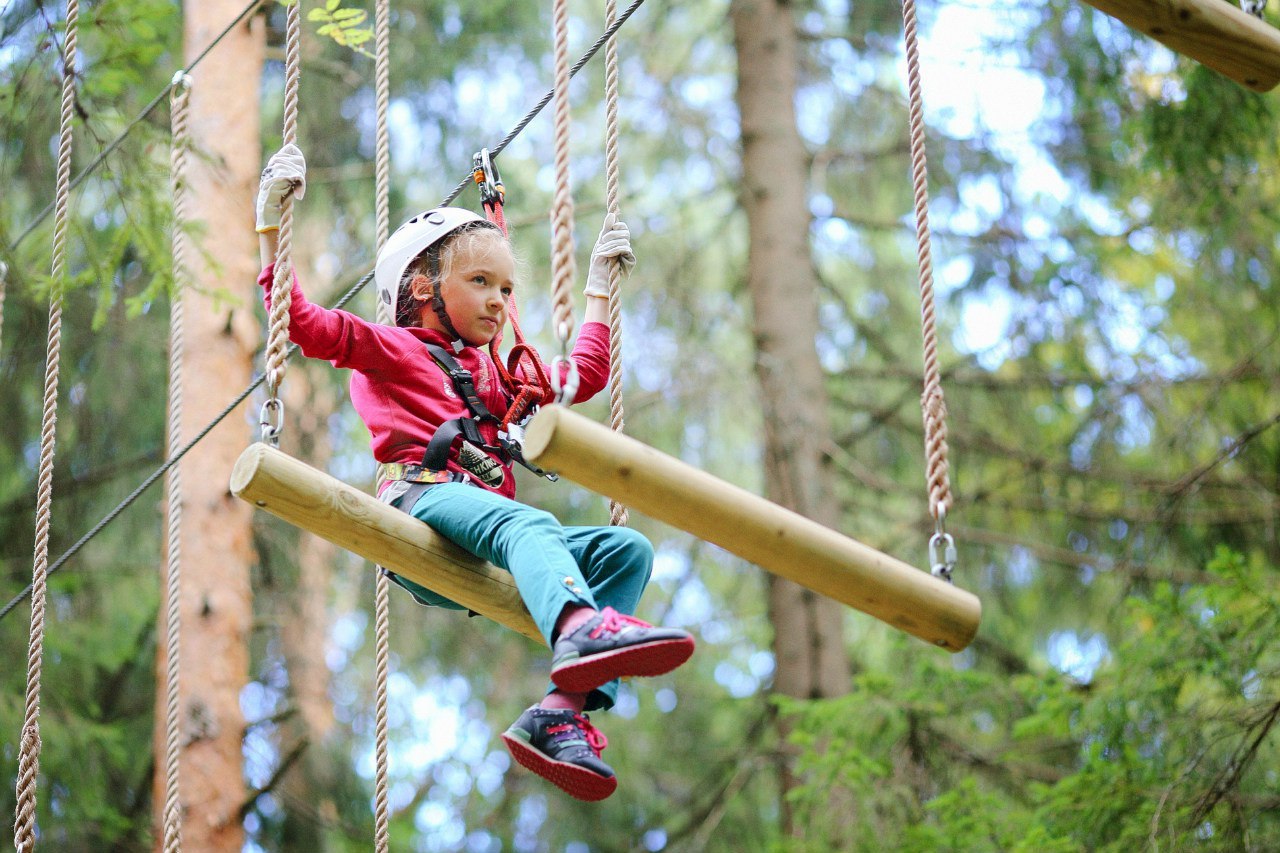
x=382, y=178
x=24, y=828
x=932, y=404
x=282, y=283
x=562, y=265
x=385, y=314
x=179, y=116
x=4, y=275
x=617, y=415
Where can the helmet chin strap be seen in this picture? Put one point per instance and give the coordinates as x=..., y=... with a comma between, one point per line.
x=437, y=305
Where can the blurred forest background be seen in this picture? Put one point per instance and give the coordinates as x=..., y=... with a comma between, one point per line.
x=1105, y=218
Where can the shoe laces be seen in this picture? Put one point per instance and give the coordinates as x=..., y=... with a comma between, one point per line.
x=613, y=622
x=595, y=738
x=581, y=723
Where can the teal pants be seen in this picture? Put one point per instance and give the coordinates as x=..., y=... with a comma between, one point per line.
x=553, y=565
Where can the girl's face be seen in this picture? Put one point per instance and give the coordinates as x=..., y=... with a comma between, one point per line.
x=479, y=275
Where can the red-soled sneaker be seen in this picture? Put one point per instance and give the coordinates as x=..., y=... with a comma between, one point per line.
x=613, y=645
x=563, y=748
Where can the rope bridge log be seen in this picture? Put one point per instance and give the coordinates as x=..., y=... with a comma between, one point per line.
x=774, y=538
x=1215, y=33
x=318, y=503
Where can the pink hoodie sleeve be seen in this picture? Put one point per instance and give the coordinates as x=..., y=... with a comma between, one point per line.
x=591, y=354
x=339, y=337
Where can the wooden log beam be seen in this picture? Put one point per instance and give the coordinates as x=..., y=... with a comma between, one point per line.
x=1215, y=33
x=774, y=538
x=346, y=516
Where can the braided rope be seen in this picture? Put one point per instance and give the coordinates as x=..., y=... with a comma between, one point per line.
x=382, y=178
x=562, y=268
x=382, y=656
x=179, y=114
x=617, y=419
x=385, y=314
x=24, y=827
x=932, y=405
x=282, y=284
x=4, y=274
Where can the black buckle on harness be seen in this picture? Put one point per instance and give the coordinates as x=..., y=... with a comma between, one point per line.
x=437, y=452
x=512, y=442
x=462, y=381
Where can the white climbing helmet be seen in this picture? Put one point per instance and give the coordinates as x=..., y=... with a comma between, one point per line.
x=409, y=241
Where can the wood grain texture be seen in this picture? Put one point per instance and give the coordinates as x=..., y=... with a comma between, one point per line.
x=1215, y=33
x=776, y=539
x=276, y=482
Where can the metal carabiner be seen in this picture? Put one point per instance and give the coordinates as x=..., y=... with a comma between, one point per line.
x=568, y=390
x=486, y=176
x=271, y=419
x=942, y=548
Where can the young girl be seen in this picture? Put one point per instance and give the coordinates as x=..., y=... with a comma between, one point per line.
x=432, y=400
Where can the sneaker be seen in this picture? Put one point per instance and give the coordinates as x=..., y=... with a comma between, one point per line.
x=564, y=748
x=613, y=645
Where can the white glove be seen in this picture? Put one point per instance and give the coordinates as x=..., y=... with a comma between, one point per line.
x=286, y=172
x=614, y=243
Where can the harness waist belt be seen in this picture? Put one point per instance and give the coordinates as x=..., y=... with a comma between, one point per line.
x=412, y=473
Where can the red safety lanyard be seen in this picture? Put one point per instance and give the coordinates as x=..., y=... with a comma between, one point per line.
x=523, y=374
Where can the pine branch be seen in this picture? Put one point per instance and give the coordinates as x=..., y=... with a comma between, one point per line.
x=1068, y=557
x=282, y=768
x=732, y=773
x=1231, y=774
x=1184, y=485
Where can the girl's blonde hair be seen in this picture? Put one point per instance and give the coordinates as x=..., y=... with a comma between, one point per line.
x=436, y=263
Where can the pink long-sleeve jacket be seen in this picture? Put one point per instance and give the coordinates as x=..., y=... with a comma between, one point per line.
x=400, y=392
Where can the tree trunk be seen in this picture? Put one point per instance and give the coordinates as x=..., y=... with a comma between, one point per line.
x=216, y=602
x=808, y=637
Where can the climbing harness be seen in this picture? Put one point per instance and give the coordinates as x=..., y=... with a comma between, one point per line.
x=435, y=458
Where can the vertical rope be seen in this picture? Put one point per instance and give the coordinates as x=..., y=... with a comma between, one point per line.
x=385, y=314
x=382, y=655
x=933, y=406
x=281, y=286
x=562, y=268
x=382, y=191
x=4, y=274
x=617, y=420
x=179, y=114
x=24, y=827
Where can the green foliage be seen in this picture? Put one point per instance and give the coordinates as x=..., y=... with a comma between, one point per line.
x=346, y=26
x=1172, y=742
